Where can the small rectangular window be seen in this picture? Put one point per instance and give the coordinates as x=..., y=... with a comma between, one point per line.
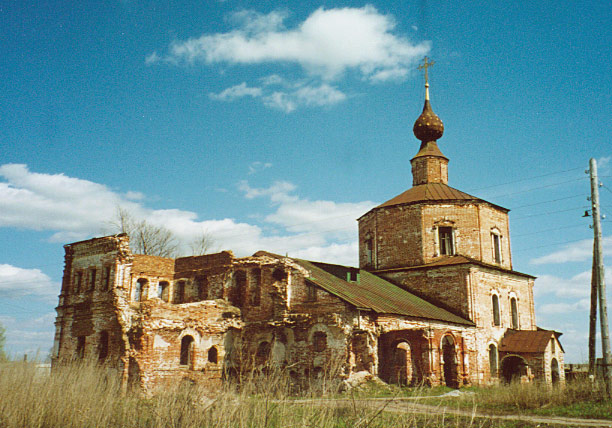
x=311, y=292
x=92, y=278
x=107, y=278
x=78, y=279
x=445, y=238
x=369, y=252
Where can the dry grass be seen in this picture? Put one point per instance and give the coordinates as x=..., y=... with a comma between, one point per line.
x=89, y=396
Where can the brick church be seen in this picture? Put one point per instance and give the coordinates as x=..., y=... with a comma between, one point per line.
x=435, y=300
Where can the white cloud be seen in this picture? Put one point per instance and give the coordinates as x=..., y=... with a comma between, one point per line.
x=293, y=95
x=325, y=44
x=323, y=95
x=17, y=282
x=575, y=252
x=72, y=209
x=565, y=308
x=257, y=166
x=237, y=91
x=333, y=219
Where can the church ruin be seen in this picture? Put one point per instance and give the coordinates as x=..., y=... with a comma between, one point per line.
x=435, y=300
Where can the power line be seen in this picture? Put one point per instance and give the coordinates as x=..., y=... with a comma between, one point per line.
x=545, y=202
x=549, y=213
x=527, y=179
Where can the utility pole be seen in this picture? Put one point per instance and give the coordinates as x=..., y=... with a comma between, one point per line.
x=599, y=277
x=593, y=320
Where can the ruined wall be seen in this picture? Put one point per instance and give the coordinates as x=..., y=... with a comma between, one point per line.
x=87, y=324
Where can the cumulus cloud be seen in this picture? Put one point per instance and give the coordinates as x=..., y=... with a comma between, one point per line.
x=72, y=209
x=303, y=216
x=325, y=44
x=17, y=282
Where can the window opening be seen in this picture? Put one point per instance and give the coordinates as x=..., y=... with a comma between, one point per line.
x=107, y=278
x=238, y=291
x=552, y=345
x=514, y=310
x=311, y=292
x=79, y=282
x=493, y=362
x=369, y=252
x=103, y=345
x=496, y=317
x=80, y=349
x=202, y=287
x=139, y=290
x=163, y=290
x=496, y=248
x=179, y=295
x=319, y=341
x=92, y=278
x=279, y=275
x=263, y=353
x=187, y=344
x=213, y=355
x=255, y=287
x=445, y=238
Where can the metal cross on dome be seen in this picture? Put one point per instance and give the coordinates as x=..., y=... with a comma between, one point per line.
x=426, y=64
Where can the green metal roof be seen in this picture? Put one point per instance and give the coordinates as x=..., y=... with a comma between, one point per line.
x=373, y=293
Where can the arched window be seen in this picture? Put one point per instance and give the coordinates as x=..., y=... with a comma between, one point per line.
x=187, y=344
x=514, y=310
x=493, y=360
x=496, y=317
x=319, y=341
x=163, y=289
x=263, y=353
x=140, y=290
x=103, y=345
x=213, y=355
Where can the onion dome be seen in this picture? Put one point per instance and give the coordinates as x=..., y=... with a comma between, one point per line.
x=428, y=127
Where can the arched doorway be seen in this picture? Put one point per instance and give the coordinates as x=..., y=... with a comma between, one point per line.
x=554, y=371
x=449, y=362
x=513, y=367
x=401, y=372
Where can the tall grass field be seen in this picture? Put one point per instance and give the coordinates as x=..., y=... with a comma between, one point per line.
x=86, y=395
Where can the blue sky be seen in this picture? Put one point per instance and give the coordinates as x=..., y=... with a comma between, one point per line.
x=274, y=125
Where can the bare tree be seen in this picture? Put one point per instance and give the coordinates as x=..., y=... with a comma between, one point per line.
x=202, y=244
x=149, y=239
x=145, y=238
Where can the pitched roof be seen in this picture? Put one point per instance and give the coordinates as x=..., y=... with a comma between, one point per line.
x=526, y=340
x=432, y=192
x=373, y=293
